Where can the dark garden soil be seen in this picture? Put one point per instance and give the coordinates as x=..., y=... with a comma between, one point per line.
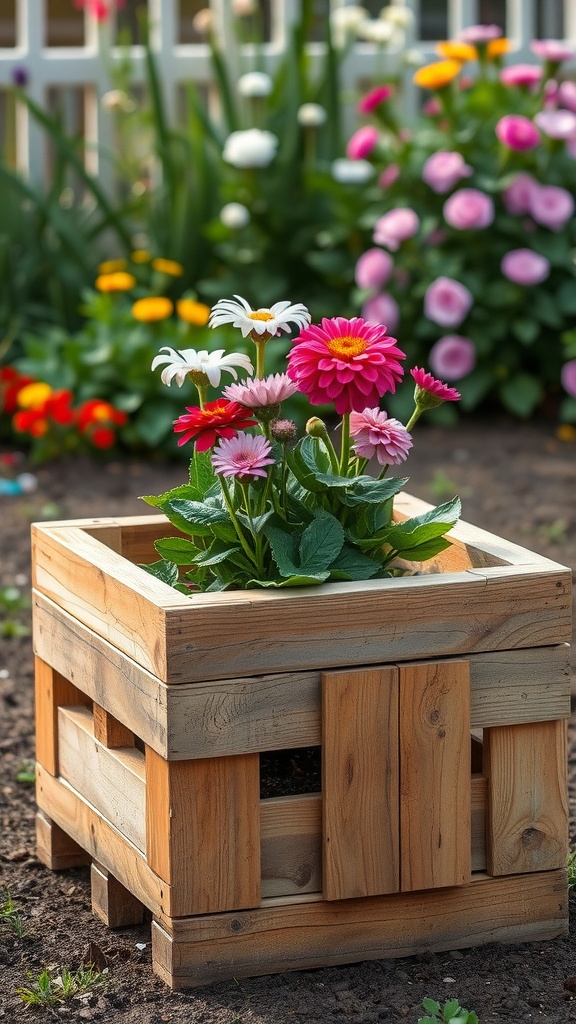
x=515, y=480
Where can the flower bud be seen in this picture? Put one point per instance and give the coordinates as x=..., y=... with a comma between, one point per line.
x=283, y=430
x=315, y=427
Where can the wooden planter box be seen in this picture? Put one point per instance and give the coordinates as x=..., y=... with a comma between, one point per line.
x=439, y=702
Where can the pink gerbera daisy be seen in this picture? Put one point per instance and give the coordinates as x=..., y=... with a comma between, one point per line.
x=259, y=393
x=242, y=456
x=375, y=434
x=351, y=363
x=429, y=391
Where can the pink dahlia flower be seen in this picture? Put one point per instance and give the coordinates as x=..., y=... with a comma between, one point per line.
x=444, y=169
x=566, y=95
x=525, y=267
x=480, y=34
x=552, y=50
x=552, y=206
x=258, y=393
x=557, y=124
x=447, y=302
x=429, y=391
x=373, y=269
x=351, y=363
x=361, y=144
x=518, y=196
x=242, y=456
x=568, y=377
x=374, y=98
x=469, y=209
x=517, y=132
x=453, y=356
x=375, y=434
x=395, y=227
x=521, y=74
x=382, y=309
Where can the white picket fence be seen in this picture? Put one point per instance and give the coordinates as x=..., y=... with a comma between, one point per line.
x=85, y=67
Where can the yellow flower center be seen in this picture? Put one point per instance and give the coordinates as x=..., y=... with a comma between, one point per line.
x=33, y=396
x=261, y=314
x=347, y=346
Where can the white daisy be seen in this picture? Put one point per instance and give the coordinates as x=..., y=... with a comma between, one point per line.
x=269, y=322
x=211, y=364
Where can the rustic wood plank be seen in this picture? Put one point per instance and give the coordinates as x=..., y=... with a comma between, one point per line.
x=282, y=937
x=510, y=687
x=360, y=783
x=291, y=844
x=111, y=902
x=108, y=730
x=55, y=848
x=527, y=820
x=51, y=690
x=435, y=800
x=113, y=781
x=478, y=822
x=203, y=830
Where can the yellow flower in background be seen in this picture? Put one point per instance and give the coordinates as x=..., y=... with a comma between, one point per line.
x=32, y=396
x=111, y=266
x=457, y=51
x=193, y=312
x=152, y=308
x=170, y=267
x=498, y=47
x=566, y=432
x=119, y=281
x=436, y=76
x=141, y=256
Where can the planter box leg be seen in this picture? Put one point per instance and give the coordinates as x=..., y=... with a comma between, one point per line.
x=55, y=848
x=111, y=902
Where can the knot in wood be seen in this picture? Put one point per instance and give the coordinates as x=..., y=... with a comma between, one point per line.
x=532, y=838
x=235, y=924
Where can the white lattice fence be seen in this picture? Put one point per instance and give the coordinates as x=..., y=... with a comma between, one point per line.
x=85, y=69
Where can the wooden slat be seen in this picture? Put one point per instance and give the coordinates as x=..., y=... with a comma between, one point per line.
x=360, y=783
x=527, y=821
x=478, y=823
x=291, y=844
x=434, y=775
x=55, y=848
x=109, y=731
x=510, y=687
x=51, y=691
x=113, y=781
x=111, y=902
x=203, y=830
x=284, y=936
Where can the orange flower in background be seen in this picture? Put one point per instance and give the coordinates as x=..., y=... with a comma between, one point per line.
x=41, y=406
x=97, y=419
x=457, y=51
x=152, y=309
x=193, y=312
x=119, y=281
x=141, y=256
x=436, y=76
x=34, y=395
x=498, y=47
x=111, y=266
x=170, y=267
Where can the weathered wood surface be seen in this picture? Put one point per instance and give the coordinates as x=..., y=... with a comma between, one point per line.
x=55, y=848
x=291, y=844
x=284, y=936
x=109, y=731
x=51, y=690
x=111, y=901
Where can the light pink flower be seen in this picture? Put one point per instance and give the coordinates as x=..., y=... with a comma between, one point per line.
x=518, y=195
x=432, y=107
x=389, y=175
x=517, y=132
x=348, y=362
x=447, y=302
x=521, y=74
x=566, y=95
x=425, y=382
x=373, y=269
x=259, y=393
x=469, y=209
x=480, y=34
x=382, y=309
x=552, y=50
x=242, y=456
x=453, y=356
x=395, y=227
x=568, y=377
x=444, y=169
x=374, y=98
x=524, y=266
x=375, y=434
x=552, y=206
x=571, y=148
x=361, y=144
x=557, y=124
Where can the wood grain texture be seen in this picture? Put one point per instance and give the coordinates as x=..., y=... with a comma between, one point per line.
x=51, y=690
x=527, y=819
x=109, y=731
x=360, y=782
x=111, y=902
x=291, y=844
x=435, y=794
x=283, y=936
x=203, y=830
x=54, y=847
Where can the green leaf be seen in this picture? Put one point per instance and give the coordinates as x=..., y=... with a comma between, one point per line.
x=428, y=549
x=176, y=549
x=321, y=542
x=451, y=1008
x=292, y=581
x=199, y=513
x=257, y=522
x=202, y=476
x=526, y=330
x=431, y=1006
x=352, y=564
x=310, y=464
x=416, y=531
x=367, y=490
x=521, y=394
x=167, y=572
x=566, y=297
x=213, y=556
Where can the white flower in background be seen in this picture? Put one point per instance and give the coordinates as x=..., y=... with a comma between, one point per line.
x=203, y=21
x=375, y=31
x=311, y=115
x=250, y=148
x=117, y=99
x=255, y=84
x=244, y=8
x=258, y=321
x=344, y=22
x=397, y=15
x=351, y=172
x=235, y=216
x=414, y=58
x=211, y=364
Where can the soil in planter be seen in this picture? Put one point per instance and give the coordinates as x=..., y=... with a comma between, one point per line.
x=290, y=772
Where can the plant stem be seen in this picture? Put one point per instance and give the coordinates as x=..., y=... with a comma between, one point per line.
x=227, y=501
x=345, y=449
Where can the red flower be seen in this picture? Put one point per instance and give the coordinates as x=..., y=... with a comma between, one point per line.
x=95, y=410
x=216, y=419
x=11, y=382
x=100, y=9
x=56, y=408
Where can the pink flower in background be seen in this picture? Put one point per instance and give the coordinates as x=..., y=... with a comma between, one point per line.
x=551, y=206
x=395, y=227
x=447, y=302
x=557, y=124
x=436, y=237
x=373, y=269
x=517, y=132
x=444, y=169
x=374, y=98
x=375, y=434
x=453, y=356
x=361, y=144
x=517, y=197
x=243, y=456
x=568, y=377
x=480, y=34
x=469, y=209
x=552, y=49
x=571, y=148
x=436, y=388
x=551, y=91
x=566, y=95
x=382, y=309
x=432, y=107
x=521, y=74
x=261, y=392
x=389, y=175
x=99, y=9
x=524, y=266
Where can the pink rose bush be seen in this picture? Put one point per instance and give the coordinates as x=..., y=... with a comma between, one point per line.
x=478, y=220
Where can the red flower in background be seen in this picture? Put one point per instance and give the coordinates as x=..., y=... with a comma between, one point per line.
x=97, y=420
x=11, y=383
x=100, y=9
